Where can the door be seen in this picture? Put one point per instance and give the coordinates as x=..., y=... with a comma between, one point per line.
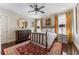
x=4, y=29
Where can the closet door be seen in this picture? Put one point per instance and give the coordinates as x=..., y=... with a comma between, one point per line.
x=4, y=29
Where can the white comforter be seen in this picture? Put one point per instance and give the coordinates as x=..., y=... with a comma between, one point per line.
x=51, y=37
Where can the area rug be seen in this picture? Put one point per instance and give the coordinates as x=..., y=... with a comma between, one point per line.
x=26, y=49
x=32, y=49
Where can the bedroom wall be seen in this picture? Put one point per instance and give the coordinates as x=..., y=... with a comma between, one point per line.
x=75, y=35
x=0, y=39
x=12, y=24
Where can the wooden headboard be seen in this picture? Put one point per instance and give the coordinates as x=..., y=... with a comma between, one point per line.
x=40, y=38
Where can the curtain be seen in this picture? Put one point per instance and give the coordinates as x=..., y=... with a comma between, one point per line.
x=56, y=24
x=35, y=25
x=68, y=28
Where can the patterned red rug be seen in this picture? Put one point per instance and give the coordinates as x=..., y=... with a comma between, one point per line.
x=32, y=49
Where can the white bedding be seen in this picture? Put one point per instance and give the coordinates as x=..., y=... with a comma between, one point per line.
x=51, y=37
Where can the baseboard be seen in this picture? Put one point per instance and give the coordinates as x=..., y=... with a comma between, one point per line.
x=77, y=45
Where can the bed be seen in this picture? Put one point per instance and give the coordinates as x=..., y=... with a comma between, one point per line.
x=38, y=44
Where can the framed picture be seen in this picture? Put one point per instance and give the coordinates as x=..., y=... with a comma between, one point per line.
x=32, y=24
x=48, y=22
x=77, y=19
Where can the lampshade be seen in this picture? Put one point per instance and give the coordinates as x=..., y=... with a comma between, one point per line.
x=38, y=26
x=62, y=25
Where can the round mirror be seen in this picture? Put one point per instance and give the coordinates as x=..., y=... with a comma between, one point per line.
x=22, y=23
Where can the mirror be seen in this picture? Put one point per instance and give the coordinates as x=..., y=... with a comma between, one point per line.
x=22, y=23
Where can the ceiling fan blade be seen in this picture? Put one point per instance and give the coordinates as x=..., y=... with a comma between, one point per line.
x=35, y=12
x=41, y=7
x=42, y=11
x=31, y=11
x=32, y=6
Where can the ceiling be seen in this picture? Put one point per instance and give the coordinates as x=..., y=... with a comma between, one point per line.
x=50, y=8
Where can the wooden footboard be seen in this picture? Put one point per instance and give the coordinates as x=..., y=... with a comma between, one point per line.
x=40, y=38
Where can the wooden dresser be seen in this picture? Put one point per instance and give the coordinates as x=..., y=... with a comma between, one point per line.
x=22, y=35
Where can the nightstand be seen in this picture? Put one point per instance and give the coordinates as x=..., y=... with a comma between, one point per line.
x=62, y=38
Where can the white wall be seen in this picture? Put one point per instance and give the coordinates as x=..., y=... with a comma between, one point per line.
x=4, y=28
x=0, y=39
x=38, y=24
x=76, y=36
x=12, y=23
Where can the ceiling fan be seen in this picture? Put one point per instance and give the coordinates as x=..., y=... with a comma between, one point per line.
x=36, y=8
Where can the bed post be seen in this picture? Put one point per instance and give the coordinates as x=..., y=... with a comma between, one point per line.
x=46, y=41
x=30, y=37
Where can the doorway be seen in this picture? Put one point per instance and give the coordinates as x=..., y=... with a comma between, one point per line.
x=4, y=29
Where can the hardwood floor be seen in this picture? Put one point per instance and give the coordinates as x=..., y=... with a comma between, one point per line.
x=69, y=49
x=6, y=45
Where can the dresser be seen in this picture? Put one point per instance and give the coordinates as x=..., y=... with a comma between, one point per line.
x=22, y=35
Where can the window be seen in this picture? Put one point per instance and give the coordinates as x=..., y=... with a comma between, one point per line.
x=62, y=24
